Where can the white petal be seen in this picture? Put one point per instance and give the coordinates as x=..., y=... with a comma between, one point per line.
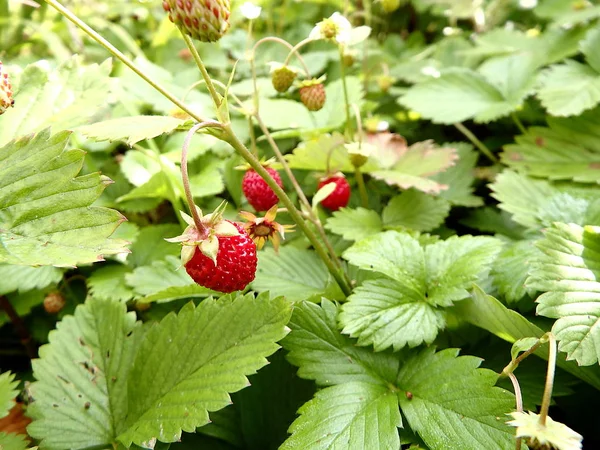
x=250, y=11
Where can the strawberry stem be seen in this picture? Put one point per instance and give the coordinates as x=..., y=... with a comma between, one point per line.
x=549, y=379
x=185, y=177
x=288, y=45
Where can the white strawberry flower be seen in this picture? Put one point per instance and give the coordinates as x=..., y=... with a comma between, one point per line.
x=250, y=11
x=336, y=27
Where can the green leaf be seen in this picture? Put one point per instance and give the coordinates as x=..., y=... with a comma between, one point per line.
x=386, y=313
x=64, y=98
x=568, y=273
x=108, y=283
x=296, y=274
x=511, y=269
x=353, y=416
x=131, y=129
x=457, y=95
x=22, y=279
x=162, y=274
x=11, y=441
x=139, y=166
x=354, y=224
x=143, y=254
x=522, y=345
x=568, y=149
x=414, y=210
x=81, y=392
x=329, y=116
x=8, y=392
x=323, y=354
x=590, y=47
x=236, y=335
x=568, y=89
x=484, y=311
x=56, y=224
x=313, y=154
x=177, y=293
x=456, y=402
x=23, y=303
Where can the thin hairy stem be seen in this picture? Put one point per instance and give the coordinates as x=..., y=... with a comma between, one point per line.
x=293, y=51
x=518, y=123
x=549, y=379
x=346, y=97
x=362, y=189
x=519, y=400
x=476, y=142
x=216, y=83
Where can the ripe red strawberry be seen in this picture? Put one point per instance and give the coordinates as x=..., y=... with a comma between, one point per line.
x=258, y=192
x=312, y=94
x=235, y=267
x=341, y=194
x=205, y=20
x=54, y=302
x=6, y=95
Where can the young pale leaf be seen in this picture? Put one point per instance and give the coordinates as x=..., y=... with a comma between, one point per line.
x=108, y=283
x=64, y=98
x=22, y=278
x=11, y=441
x=568, y=89
x=457, y=95
x=131, y=129
x=314, y=154
x=8, y=392
x=511, y=269
x=456, y=402
x=56, y=224
x=323, y=354
x=349, y=416
x=294, y=273
x=486, y=312
x=414, y=210
x=354, y=224
x=81, y=392
x=189, y=363
x=568, y=149
x=590, y=47
x=568, y=273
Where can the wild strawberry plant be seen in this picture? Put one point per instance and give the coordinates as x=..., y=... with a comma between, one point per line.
x=299, y=225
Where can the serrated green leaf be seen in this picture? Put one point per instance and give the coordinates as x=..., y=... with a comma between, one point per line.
x=414, y=210
x=457, y=95
x=138, y=167
x=23, y=278
x=315, y=153
x=108, y=283
x=8, y=392
x=177, y=293
x=512, y=74
x=354, y=224
x=511, y=269
x=323, y=354
x=296, y=274
x=349, y=416
x=131, y=129
x=328, y=116
x=143, y=254
x=568, y=149
x=568, y=89
x=63, y=99
x=11, y=441
x=162, y=274
x=81, y=392
x=460, y=177
x=45, y=213
x=590, y=47
x=486, y=312
x=236, y=334
x=456, y=402
x=568, y=273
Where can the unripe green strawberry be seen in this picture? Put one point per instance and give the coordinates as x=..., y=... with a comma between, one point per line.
x=282, y=77
x=312, y=94
x=205, y=20
x=389, y=6
x=6, y=96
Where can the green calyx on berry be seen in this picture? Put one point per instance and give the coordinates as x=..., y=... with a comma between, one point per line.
x=312, y=93
x=207, y=242
x=205, y=20
x=359, y=153
x=6, y=94
x=282, y=76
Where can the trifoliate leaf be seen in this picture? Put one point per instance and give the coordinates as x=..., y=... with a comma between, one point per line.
x=455, y=403
x=354, y=224
x=511, y=269
x=57, y=224
x=568, y=89
x=552, y=434
x=568, y=273
x=457, y=95
x=460, y=177
x=566, y=150
x=414, y=210
x=131, y=129
x=108, y=283
x=325, y=355
x=296, y=274
x=63, y=98
x=12, y=441
x=236, y=334
x=8, y=392
x=352, y=416
x=407, y=311
x=23, y=278
x=81, y=392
